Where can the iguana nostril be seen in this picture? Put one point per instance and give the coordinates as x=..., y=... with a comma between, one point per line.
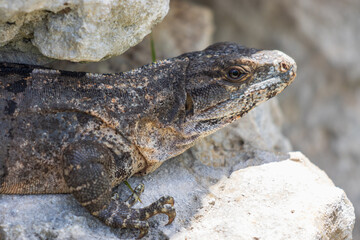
x=284, y=66
x=293, y=73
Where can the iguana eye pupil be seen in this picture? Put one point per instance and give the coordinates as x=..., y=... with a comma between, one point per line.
x=235, y=74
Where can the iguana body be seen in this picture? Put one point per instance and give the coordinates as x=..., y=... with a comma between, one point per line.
x=82, y=133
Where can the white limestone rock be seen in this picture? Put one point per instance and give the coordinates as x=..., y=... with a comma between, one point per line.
x=79, y=30
x=279, y=198
x=292, y=199
x=187, y=27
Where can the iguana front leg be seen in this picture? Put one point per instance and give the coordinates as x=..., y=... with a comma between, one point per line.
x=87, y=174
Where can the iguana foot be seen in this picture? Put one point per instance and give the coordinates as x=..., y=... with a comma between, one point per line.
x=87, y=176
x=120, y=214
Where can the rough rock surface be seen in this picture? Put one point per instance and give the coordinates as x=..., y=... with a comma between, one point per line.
x=290, y=199
x=321, y=109
x=187, y=27
x=77, y=30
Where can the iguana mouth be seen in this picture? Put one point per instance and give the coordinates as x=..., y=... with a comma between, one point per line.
x=220, y=109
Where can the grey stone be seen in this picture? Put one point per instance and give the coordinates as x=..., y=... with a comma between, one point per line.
x=287, y=198
x=187, y=27
x=291, y=199
x=79, y=31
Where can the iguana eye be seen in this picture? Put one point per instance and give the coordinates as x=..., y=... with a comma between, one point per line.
x=236, y=74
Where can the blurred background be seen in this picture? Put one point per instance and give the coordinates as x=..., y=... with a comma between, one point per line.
x=321, y=109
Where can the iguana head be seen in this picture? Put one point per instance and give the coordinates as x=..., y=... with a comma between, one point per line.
x=205, y=91
x=227, y=80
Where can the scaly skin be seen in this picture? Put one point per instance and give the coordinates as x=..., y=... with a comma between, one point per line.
x=82, y=133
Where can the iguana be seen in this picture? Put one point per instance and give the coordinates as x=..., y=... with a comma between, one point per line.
x=84, y=133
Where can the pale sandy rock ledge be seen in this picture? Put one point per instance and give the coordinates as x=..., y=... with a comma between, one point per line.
x=75, y=30
x=291, y=199
x=284, y=196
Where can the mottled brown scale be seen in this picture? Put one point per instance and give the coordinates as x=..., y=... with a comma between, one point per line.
x=82, y=133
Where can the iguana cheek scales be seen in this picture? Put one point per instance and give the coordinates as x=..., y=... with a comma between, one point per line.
x=84, y=133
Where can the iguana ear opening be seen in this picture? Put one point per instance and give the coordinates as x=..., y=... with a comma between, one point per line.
x=189, y=105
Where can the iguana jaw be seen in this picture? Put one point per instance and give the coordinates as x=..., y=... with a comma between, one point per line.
x=222, y=109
